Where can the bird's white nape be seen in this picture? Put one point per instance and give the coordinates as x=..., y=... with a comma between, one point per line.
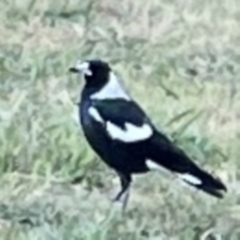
x=93, y=112
x=111, y=90
x=131, y=133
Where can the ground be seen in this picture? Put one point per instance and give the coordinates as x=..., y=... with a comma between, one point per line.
x=179, y=59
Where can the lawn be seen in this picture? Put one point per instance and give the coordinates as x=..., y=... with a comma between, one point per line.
x=179, y=59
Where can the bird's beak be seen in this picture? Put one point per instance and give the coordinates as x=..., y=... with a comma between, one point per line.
x=73, y=70
x=81, y=67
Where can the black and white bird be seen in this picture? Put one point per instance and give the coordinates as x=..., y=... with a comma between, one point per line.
x=124, y=137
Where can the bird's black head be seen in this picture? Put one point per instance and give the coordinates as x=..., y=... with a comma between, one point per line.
x=96, y=72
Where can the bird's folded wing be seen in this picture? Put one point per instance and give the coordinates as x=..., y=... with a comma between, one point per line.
x=123, y=120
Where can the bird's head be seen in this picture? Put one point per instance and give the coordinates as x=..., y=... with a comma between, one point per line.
x=100, y=81
x=95, y=72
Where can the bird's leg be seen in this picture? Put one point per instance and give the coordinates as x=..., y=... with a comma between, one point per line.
x=123, y=195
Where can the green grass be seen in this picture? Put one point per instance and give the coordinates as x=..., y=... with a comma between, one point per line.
x=180, y=59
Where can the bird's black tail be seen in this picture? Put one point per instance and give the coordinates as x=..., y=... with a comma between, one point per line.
x=175, y=160
x=203, y=181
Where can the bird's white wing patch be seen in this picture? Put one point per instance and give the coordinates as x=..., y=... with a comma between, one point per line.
x=93, y=112
x=189, y=178
x=132, y=133
x=111, y=90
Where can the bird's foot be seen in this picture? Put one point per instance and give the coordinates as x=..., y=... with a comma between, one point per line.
x=121, y=199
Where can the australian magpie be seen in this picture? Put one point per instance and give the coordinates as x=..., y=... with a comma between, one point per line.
x=124, y=137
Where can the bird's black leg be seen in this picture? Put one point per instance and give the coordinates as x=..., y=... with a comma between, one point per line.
x=125, y=180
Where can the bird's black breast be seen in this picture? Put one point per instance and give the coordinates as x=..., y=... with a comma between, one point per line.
x=94, y=131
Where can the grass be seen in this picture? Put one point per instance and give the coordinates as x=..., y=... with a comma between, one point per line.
x=180, y=59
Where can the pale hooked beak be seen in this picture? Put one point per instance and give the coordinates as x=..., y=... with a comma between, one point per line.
x=81, y=67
